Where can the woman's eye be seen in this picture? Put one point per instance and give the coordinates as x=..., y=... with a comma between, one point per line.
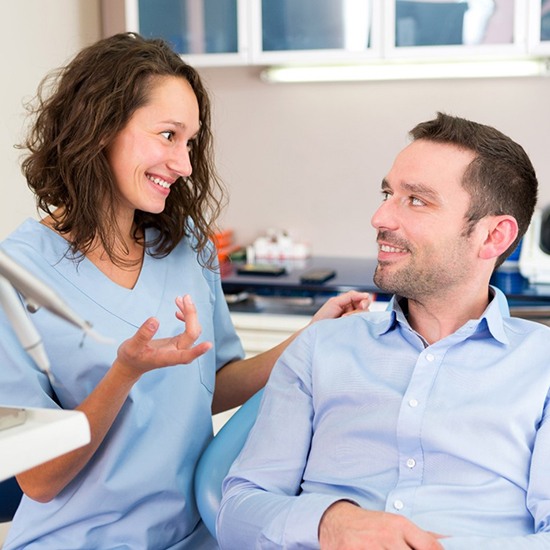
x=168, y=135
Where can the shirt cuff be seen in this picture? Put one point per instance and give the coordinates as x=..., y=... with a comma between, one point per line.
x=301, y=522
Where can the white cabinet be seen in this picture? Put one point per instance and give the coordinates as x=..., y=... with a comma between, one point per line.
x=325, y=31
x=268, y=32
x=455, y=29
x=260, y=332
x=539, y=27
x=206, y=32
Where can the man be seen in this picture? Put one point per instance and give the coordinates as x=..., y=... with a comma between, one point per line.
x=427, y=426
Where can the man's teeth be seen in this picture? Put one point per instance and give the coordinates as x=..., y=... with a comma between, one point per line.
x=159, y=181
x=386, y=248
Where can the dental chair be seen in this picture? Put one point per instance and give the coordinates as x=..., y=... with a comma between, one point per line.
x=10, y=496
x=218, y=457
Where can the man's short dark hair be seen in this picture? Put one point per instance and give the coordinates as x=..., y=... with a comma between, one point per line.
x=500, y=180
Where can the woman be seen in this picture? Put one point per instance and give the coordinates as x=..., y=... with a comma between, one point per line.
x=120, y=163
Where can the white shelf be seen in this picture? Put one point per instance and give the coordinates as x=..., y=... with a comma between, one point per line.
x=45, y=434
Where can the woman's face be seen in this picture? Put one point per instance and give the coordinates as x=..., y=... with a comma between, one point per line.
x=152, y=151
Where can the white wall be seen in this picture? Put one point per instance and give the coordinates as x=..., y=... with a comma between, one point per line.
x=37, y=36
x=308, y=158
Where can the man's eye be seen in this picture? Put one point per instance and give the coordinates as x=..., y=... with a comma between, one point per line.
x=168, y=135
x=385, y=195
x=417, y=202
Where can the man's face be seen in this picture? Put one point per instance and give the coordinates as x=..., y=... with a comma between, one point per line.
x=423, y=249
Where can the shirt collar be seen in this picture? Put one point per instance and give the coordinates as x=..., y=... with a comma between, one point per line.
x=495, y=313
x=492, y=317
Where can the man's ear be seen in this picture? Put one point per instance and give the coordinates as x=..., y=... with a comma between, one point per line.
x=500, y=233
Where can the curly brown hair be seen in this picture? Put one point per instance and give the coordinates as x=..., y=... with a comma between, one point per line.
x=79, y=109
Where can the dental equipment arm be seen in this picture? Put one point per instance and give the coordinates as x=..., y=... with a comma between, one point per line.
x=36, y=294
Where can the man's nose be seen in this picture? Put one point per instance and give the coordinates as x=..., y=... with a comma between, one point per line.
x=385, y=216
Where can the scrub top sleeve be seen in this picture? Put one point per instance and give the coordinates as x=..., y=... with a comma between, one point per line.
x=228, y=344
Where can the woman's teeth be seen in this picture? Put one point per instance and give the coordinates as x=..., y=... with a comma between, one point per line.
x=159, y=181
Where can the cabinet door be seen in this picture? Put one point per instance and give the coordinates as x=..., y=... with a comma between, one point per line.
x=204, y=32
x=459, y=28
x=539, y=27
x=317, y=31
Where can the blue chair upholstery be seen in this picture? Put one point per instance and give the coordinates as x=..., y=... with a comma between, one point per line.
x=10, y=496
x=225, y=447
x=218, y=457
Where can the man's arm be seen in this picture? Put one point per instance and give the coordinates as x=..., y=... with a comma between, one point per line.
x=260, y=501
x=263, y=503
x=240, y=380
x=538, y=503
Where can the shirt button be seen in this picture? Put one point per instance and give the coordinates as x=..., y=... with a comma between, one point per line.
x=413, y=403
x=411, y=463
x=398, y=505
x=430, y=357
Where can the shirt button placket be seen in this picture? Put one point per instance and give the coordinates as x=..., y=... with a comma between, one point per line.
x=398, y=505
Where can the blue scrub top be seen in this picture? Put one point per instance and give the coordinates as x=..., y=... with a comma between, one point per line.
x=137, y=491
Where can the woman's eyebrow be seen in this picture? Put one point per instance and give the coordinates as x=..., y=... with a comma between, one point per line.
x=181, y=125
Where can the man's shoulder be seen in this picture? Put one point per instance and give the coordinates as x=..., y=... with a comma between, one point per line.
x=522, y=331
x=370, y=321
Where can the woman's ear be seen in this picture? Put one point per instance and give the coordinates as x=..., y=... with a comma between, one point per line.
x=501, y=232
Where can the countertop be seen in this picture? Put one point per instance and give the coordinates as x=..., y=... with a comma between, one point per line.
x=287, y=294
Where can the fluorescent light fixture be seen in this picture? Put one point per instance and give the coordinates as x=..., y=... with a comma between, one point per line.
x=408, y=70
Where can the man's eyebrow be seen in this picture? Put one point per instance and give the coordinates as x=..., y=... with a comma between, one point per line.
x=421, y=189
x=414, y=189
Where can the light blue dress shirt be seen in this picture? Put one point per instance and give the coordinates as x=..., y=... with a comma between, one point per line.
x=454, y=436
x=137, y=490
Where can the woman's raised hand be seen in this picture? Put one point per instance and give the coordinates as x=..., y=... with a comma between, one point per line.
x=142, y=353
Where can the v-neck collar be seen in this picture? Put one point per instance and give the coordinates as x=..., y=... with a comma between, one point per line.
x=132, y=305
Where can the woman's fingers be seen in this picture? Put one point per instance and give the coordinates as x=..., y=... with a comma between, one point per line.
x=188, y=314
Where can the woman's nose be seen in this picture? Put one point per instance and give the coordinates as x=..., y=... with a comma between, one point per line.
x=181, y=162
